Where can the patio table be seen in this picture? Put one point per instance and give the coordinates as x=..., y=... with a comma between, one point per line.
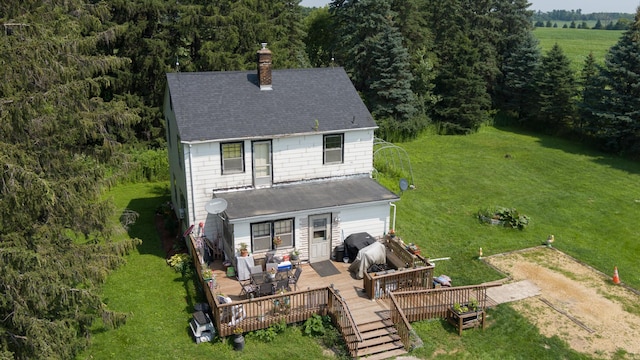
x=262, y=278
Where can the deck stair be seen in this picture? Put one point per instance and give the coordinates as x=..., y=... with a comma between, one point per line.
x=379, y=340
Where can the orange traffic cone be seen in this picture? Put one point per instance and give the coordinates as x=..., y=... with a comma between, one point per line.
x=616, y=278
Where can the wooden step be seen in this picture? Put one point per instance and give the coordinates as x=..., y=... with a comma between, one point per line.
x=374, y=325
x=378, y=333
x=373, y=329
x=387, y=355
x=379, y=340
x=382, y=348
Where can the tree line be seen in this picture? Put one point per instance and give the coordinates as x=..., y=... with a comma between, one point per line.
x=577, y=15
x=83, y=84
x=620, y=24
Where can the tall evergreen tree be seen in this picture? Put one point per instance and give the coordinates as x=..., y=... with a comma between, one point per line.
x=388, y=92
x=463, y=99
x=513, y=34
x=373, y=54
x=590, y=96
x=516, y=93
x=57, y=136
x=619, y=117
x=556, y=90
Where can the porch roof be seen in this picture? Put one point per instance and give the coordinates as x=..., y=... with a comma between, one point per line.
x=304, y=196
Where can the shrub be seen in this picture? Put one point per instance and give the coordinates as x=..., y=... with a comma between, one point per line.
x=507, y=217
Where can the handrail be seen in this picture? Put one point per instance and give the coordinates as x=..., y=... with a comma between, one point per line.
x=402, y=326
x=351, y=345
x=354, y=327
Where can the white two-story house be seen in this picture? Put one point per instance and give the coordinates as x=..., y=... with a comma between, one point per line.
x=290, y=152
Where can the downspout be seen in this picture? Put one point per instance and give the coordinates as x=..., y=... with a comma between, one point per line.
x=393, y=227
x=193, y=198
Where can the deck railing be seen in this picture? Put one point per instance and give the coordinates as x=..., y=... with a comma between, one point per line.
x=409, y=306
x=400, y=322
x=378, y=286
x=398, y=248
x=434, y=303
x=343, y=320
x=260, y=313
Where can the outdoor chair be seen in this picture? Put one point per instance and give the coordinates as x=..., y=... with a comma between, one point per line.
x=282, y=285
x=255, y=269
x=247, y=288
x=266, y=288
x=294, y=279
x=272, y=266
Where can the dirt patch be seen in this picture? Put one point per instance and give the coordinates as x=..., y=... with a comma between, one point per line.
x=577, y=303
x=167, y=237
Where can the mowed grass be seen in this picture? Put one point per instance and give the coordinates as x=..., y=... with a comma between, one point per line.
x=588, y=200
x=578, y=43
x=160, y=302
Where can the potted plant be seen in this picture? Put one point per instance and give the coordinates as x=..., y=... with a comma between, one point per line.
x=413, y=248
x=244, y=251
x=207, y=274
x=470, y=306
x=293, y=255
x=238, y=339
x=272, y=273
x=277, y=241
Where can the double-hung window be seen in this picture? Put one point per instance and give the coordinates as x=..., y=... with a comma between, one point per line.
x=232, y=158
x=262, y=235
x=333, y=149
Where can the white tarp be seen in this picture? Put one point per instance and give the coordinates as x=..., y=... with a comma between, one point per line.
x=367, y=256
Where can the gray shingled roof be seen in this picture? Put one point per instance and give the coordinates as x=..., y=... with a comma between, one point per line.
x=304, y=196
x=230, y=105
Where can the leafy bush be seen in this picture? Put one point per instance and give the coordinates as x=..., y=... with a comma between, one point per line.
x=269, y=334
x=507, y=217
x=181, y=263
x=314, y=325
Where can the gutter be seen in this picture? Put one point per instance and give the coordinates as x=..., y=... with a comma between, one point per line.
x=193, y=198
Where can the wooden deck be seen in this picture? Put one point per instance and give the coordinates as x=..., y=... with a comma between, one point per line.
x=362, y=308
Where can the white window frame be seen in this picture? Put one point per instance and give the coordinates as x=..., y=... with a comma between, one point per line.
x=330, y=154
x=228, y=166
x=264, y=232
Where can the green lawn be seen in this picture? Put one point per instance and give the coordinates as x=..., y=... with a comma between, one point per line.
x=578, y=43
x=588, y=200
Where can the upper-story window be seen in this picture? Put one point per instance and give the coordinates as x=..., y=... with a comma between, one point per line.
x=232, y=158
x=333, y=149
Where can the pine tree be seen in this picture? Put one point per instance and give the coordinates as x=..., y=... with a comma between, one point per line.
x=463, y=99
x=512, y=31
x=373, y=54
x=58, y=133
x=590, y=97
x=556, y=90
x=516, y=92
x=619, y=119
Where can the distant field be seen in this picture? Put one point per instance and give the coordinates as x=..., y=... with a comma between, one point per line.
x=578, y=43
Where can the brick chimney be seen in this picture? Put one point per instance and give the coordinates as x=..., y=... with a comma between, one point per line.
x=264, y=68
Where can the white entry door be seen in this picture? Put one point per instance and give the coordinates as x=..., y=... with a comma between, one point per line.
x=261, y=163
x=319, y=237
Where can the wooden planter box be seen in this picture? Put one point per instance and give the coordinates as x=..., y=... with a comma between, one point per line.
x=466, y=320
